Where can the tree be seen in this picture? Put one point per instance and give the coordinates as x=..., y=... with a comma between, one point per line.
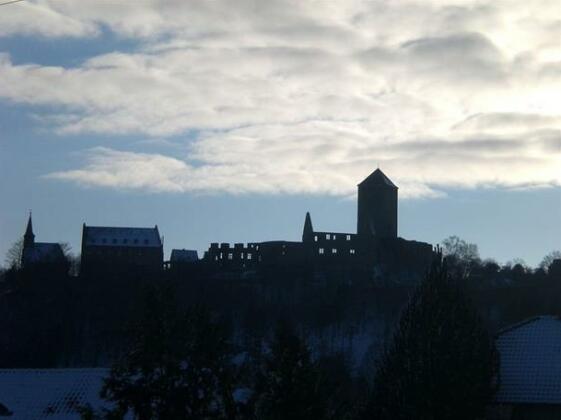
x=549, y=258
x=490, y=267
x=554, y=270
x=66, y=249
x=461, y=256
x=518, y=270
x=72, y=260
x=13, y=256
x=341, y=394
x=288, y=387
x=178, y=366
x=4, y=412
x=441, y=363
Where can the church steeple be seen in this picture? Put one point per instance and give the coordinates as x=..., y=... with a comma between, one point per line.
x=308, y=232
x=29, y=237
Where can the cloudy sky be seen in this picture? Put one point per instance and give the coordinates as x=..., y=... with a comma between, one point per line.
x=228, y=120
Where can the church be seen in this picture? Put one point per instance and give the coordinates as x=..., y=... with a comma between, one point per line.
x=35, y=254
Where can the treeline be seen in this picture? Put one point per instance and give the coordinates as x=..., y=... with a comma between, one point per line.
x=184, y=363
x=83, y=321
x=508, y=293
x=248, y=340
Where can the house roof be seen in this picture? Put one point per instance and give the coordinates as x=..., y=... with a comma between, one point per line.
x=378, y=178
x=530, y=362
x=42, y=252
x=121, y=236
x=50, y=393
x=184, y=255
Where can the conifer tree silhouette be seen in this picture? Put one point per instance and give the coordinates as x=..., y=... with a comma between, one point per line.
x=442, y=363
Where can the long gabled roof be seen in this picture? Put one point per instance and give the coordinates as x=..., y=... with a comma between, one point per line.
x=43, y=252
x=121, y=236
x=530, y=362
x=51, y=393
x=378, y=178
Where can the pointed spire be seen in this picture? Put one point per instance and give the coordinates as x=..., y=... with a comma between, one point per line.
x=29, y=229
x=308, y=231
x=29, y=237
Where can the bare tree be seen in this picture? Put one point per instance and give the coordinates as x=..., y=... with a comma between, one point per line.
x=13, y=256
x=66, y=249
x=549, y=258
x=73, y=260
x=461, y=256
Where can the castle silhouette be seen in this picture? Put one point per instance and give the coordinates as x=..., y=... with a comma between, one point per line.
x=375, y=247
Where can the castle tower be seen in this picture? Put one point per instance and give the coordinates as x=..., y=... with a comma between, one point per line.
x=308, y=232
x=377, y=206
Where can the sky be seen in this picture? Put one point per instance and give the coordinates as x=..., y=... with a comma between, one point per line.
x=225, y=121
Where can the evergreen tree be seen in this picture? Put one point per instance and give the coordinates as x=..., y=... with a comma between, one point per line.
x=441, y=363
x=288, y=387
x=178, y=366
x=341, y=394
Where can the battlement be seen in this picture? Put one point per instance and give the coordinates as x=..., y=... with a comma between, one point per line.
x=239, y=252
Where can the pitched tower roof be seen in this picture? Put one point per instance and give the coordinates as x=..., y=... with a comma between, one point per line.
x=378, y=178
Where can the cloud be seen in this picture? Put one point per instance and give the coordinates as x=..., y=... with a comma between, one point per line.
x=462, y=57
x=504, y=122
x=42, y=18
x=303, y=162
x=303, y=97
x=109, y=168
